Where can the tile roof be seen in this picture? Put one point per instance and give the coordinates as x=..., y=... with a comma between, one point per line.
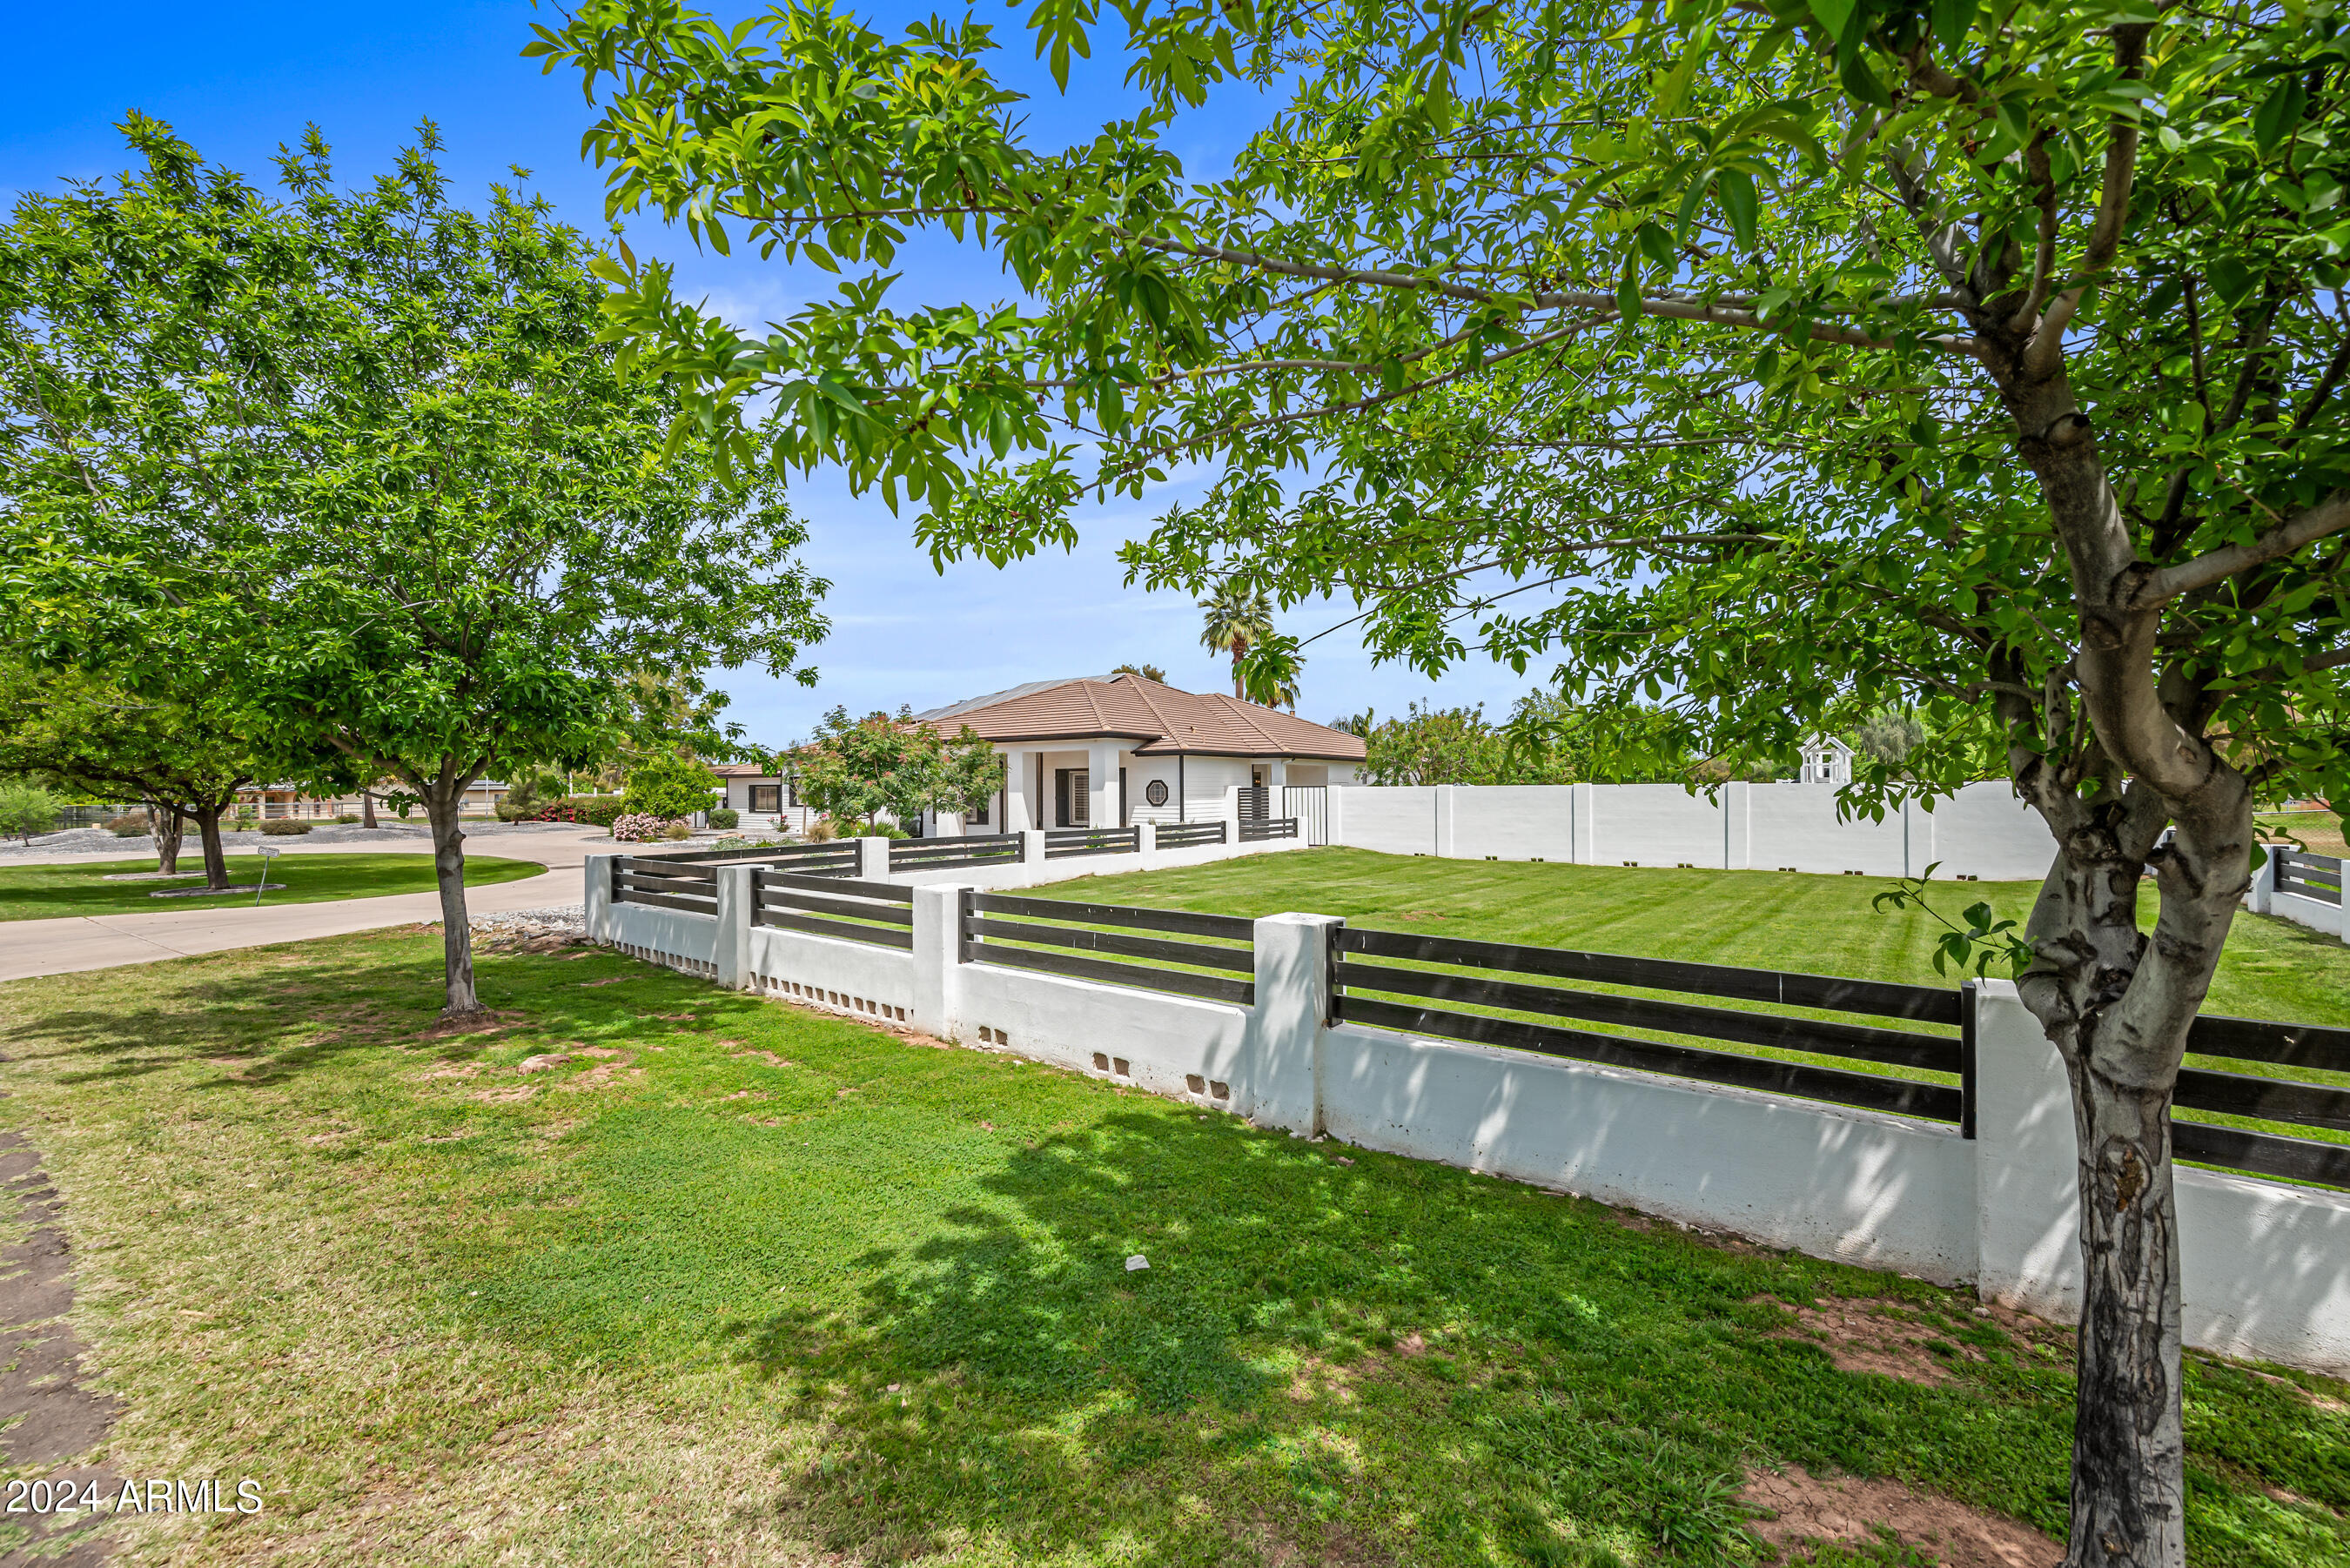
x=1160, y=719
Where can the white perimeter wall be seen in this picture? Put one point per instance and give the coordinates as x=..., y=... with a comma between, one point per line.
x=1982, y=831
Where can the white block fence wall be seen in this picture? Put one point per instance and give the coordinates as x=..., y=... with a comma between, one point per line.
x=1982, y=831
x=2267, y=1264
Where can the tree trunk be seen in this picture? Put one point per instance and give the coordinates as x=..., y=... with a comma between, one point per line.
x=441, y=804
x=2128, y=1447
x=215, y=857
x=168, y=826
x=367, y=808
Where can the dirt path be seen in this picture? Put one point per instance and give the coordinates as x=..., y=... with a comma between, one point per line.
x=49, y=1414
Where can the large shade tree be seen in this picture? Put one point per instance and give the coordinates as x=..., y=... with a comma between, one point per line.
x=1818, y=357
x=186, y=758
x=355, y=458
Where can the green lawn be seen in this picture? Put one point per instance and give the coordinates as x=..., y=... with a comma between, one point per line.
x=1762, y=919
x=43, y=892
x=740, y=1284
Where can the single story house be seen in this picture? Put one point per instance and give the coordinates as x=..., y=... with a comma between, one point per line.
x=1112, y=749
x=755, y=793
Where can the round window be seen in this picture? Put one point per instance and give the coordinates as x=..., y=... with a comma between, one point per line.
x=1156, y=791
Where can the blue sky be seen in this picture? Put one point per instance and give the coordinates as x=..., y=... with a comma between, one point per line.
x=238, y=78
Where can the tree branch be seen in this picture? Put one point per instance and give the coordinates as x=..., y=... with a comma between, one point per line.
x=2330, y=515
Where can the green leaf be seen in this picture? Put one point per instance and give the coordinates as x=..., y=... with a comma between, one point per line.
x=1951, y=20
x=1628, y=288
x=1831, y=16
x=1735, y=188
x=2279, y=113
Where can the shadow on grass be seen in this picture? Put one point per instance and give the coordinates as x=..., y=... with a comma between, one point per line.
x=1325, y=1359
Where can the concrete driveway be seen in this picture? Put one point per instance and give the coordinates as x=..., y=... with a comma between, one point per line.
x=103, y=942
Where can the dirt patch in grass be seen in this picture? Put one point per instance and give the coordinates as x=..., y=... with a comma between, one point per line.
x=1874, y=1335
x=1802, y=1511
x=482, y=1023
x=511, y=1094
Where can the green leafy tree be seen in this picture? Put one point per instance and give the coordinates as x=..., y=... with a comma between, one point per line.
x=1148, y=671
x=1428, y=746
x=188, y=760
x=669, y=786
x=860, y=770
x=356, y=459
x=27, y=809
x=1826, y=356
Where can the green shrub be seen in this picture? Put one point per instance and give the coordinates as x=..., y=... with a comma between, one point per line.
x=669, y=786
x=723, y=817
x=284, y=827
x=348, y=817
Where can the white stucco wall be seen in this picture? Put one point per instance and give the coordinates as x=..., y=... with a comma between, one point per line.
x=1982, y=831
x=1883, y=1191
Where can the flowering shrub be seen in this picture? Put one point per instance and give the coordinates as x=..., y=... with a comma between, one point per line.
x=639, y=828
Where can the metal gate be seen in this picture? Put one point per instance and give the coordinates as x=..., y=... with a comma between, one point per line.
x=1310, y=804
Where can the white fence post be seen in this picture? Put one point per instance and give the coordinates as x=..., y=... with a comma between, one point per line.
x=2261, y=897
x=1737, y=827
x=937, y=942
x=1031, y=850
x=1283, y=1059
x=2027, y=1183
x=595, y=896
x=1583, y=831
x=1146, y=843
x=1443, y=830
x=873, y=859
x=731, y=953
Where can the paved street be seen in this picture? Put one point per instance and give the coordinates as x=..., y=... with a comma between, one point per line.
x=105, y=941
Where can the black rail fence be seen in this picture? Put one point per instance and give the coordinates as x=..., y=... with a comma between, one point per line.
x=1353, y=979
x=1060, y=936
x=2317, y=877
x=688, y=881
x=665, y=883
x=2258, y=1098
x=1066, y=843
x=1255, y=830
x=1189, y=834
x=879, y=913
x=939, y=854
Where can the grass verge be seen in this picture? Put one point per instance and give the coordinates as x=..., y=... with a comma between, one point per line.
x=46, y=892
x=740, y=1284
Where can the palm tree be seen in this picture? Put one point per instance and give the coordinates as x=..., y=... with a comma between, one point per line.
x=1238, y=618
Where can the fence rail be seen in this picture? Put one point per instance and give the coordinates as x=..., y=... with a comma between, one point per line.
x=934, y=853
x=2317, y=877
x=1066, y=843
x=1350, y=978
x=878, y=913
x=1257, y=830
x=2269, y=1099
x=795, y=857
x=1188, y=834
x=665, y=884
x=1056, y=948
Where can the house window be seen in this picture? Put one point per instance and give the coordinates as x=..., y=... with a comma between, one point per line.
x=766, y=797
x=977, y=818
x=1155, y=792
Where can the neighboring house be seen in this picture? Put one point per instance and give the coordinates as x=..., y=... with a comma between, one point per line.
x=756, y=793
x=288, y=800
x=1826, y=759
x=1108, y=751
